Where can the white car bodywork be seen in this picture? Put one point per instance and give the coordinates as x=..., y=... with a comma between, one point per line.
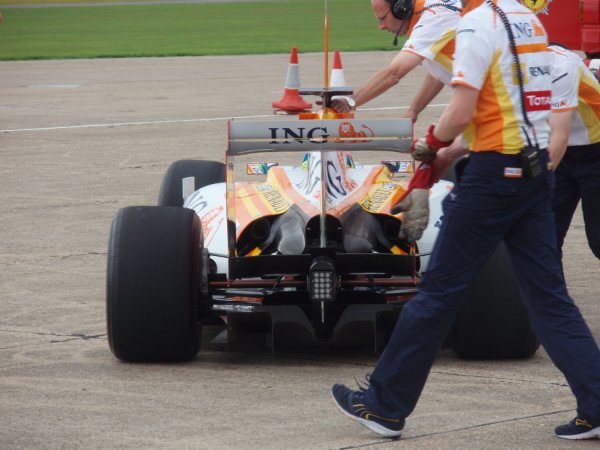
x=209, y=202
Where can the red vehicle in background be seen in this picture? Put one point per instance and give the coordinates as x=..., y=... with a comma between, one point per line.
x=575, y=24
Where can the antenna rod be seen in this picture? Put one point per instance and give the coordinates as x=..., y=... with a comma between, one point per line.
x=326, y=74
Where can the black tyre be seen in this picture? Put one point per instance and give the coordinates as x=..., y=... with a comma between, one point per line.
x=204, y=173
x=153, y=277
x=494, y=322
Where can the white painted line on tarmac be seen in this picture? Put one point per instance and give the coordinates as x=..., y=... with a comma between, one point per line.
x=58, y=86
x=390, y=108
x=162, y=122
x=126, y=124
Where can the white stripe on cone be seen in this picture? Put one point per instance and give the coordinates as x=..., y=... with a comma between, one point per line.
x=291, y=101
x=292, y=80
x=337, y=73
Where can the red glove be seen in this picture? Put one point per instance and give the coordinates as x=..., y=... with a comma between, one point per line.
x=425, y=176
x=424, y=148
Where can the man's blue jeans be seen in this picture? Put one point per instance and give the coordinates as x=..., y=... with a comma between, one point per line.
x=578, y=178
x=484, y=209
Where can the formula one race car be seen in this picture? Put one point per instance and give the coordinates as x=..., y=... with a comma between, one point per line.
x=306, y=250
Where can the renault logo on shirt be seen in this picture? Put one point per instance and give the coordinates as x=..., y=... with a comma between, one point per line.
x=536, y=71
x=538, y=100
x=557, y=105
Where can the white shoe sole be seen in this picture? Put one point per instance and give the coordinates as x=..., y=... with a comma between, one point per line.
x=595, y=433
x=373, y=426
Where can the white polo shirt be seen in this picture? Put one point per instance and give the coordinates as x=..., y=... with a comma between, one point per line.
x=574, y=87
x=431, y=35
x=484, y=61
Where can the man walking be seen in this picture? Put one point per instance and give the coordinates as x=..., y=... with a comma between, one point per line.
x=575, y=144
x=504, y=195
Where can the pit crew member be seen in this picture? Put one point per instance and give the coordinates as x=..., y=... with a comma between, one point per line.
x=504, y=195
x=430, y=26
x=575, y=144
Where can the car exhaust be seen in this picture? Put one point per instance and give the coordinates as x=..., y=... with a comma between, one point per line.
x=391, y=229
x=260, y=229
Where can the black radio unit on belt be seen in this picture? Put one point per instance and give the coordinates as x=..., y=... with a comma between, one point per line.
x=530, y=159
x=530, y=154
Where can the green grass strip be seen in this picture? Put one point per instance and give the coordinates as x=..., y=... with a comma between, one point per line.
x=187, y=29
x=55, y=2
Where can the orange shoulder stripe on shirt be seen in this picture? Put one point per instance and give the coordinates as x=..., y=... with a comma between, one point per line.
x=419, y=5
x=532, y=48
x=462, y=83
x=564, y=109
x=408, y=50
x=471, y=6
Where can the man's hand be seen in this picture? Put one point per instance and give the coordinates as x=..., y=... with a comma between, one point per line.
x=340, y=105
x=424, y=148
x=410, y=114
x=420, y=151
x=415, y=214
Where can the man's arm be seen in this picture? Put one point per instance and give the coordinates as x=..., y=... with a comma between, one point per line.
x=446, y=155
x=384, y=79
x=560, y=128
x=455, y=119
x=430, y=88
x=458, y=114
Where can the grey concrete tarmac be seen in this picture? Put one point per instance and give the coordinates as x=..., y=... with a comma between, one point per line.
x=80, y=139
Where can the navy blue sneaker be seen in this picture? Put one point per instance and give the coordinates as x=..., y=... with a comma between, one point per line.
x=578, y=428
x=352, y=405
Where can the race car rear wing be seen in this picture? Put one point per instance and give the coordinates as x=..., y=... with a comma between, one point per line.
x=308, y=136
x=319, y=135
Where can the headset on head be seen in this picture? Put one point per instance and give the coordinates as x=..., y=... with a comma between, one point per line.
x=404, y=9
x=401, y=9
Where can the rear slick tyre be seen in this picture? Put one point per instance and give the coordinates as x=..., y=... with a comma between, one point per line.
x=494, y=323
x=153, y=276
x=203, y=172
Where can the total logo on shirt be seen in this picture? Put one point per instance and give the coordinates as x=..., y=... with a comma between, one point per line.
x=538, y=100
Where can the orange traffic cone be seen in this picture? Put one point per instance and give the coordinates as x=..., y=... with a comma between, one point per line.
x=291, y=102
x=337, y=73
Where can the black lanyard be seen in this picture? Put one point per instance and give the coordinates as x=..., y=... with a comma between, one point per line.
x=517, y=63
x=530, y=153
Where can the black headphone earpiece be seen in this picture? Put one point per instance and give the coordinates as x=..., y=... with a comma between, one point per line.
x=401, y=9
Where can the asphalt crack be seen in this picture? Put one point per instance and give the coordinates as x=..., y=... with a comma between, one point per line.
x=58, y=206
x=518, y=380
x=437, y=372
x=456, y=430
x=77, y=255
x=70, y=337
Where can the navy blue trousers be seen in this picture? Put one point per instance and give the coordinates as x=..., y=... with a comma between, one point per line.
x=578, y=178
x=484, y=209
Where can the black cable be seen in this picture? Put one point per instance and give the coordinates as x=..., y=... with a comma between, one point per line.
x=529, y=153
x=513, y=49
x=441, y=5
x=421, y=11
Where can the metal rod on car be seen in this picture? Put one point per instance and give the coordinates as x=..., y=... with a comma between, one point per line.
x=326, y=71
x=322, y=218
